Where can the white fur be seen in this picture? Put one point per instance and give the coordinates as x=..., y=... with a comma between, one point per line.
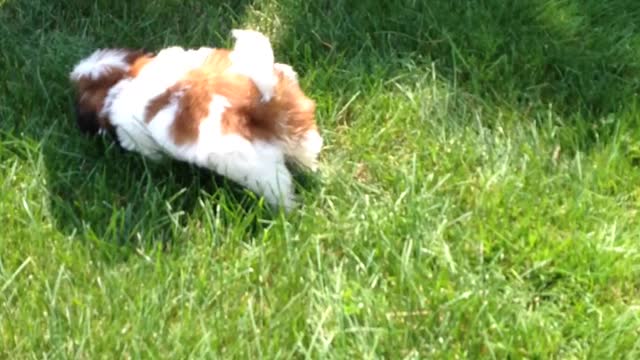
x=252, y=56
x=98, y=63
x=306, y=150
x=259, y=166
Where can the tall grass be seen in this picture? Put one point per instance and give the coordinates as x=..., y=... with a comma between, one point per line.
x=478, y=195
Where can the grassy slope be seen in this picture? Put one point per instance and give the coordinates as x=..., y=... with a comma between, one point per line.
x=478, y=194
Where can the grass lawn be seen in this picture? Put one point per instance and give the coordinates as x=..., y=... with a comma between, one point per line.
x=478, y=194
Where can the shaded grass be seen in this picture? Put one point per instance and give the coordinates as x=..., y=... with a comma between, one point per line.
x=477, y=196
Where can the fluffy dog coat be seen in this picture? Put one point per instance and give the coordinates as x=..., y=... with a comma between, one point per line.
x=235, y=112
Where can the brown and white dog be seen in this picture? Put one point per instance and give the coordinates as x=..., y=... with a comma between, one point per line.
x=236, y=112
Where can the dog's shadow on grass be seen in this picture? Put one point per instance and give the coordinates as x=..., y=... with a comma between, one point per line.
x=118, y=198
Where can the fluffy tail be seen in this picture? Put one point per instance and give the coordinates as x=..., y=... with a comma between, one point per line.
x=252, y=56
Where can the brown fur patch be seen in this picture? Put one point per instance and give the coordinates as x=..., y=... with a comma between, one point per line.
x=138, y=64
x=157, y=104
x=193, y=107
x=92, y=93
x=244, y=99
x=288, y=115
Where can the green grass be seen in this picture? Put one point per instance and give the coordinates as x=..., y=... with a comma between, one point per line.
x=478, y=196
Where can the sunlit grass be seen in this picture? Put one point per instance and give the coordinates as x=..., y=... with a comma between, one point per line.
x=477, y=197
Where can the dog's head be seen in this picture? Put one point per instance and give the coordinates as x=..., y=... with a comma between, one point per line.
x=94, y=76
x=298, y=107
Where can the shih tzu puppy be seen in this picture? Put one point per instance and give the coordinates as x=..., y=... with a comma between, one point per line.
x=235, y=112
